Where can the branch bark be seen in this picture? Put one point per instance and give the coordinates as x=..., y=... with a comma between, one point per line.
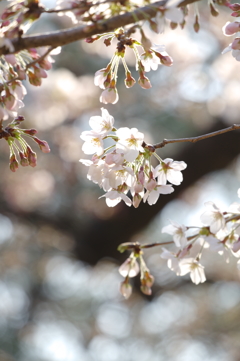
x=66, y=36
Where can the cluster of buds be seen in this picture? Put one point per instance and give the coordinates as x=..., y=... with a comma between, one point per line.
x=233, y=28
x=16, y=68
x=220, y=233
x=17, y=144
x=126, y=166
x=130, y=268
x=150, y=59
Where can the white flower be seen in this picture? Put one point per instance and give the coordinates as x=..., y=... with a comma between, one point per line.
x=97, y=171
x=119, y=175
x=93, y=142
x=150, y=61
x=173, y=261
x=238, y=192
x=194, y=267
x=114, y=197
x=102, y=124
x=129, y=268
x=153, y=196
x=213, y=218
x=178, y=233
x=129, y=142
x=169, y=170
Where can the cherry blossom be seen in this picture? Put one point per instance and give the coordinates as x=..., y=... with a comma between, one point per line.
x=102, y=124
x=178, y=232
x=172, y=260
x=129, y=142
x=93, y=142
x=170, y=170
x=213, y=217
x=153, y=195
x=113, y=197
x=196, y=270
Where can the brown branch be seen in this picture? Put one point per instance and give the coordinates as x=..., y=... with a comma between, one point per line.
x=193, y=139
x=63, y=37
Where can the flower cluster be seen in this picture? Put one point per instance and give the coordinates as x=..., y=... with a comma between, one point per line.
x=151, y=58
x=126, y=166
x=14, y=137
x=220, y=233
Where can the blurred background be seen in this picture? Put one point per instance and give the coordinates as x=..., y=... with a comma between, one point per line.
x=59, y=280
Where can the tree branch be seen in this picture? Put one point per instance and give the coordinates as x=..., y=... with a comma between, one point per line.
x=193, y=139
x=66, y=36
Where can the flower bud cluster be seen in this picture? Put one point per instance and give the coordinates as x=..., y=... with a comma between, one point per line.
x=151, y=58
x=15, y=68
x=126, y=166
x=17, y=144
x=130, y=268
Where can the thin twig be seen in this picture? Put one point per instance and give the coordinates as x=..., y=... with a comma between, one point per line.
x=150, y=245
x=192, y=139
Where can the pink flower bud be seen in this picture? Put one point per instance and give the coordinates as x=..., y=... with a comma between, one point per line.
x=31, y=156
x=13, y=163
x=109, y=95
x=141, y=176
x=42, y=144
x=144, y=82
x=146, y=290
x=231, y=28
x=234, y=7
x=11, y=59
x=30, y=131
x=236, y=44
x=166, y=60
x=126, y=290
x=129, y=81
x=23, y=160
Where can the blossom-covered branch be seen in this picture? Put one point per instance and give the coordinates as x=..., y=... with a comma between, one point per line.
x=66, y=36
x=220, y=233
